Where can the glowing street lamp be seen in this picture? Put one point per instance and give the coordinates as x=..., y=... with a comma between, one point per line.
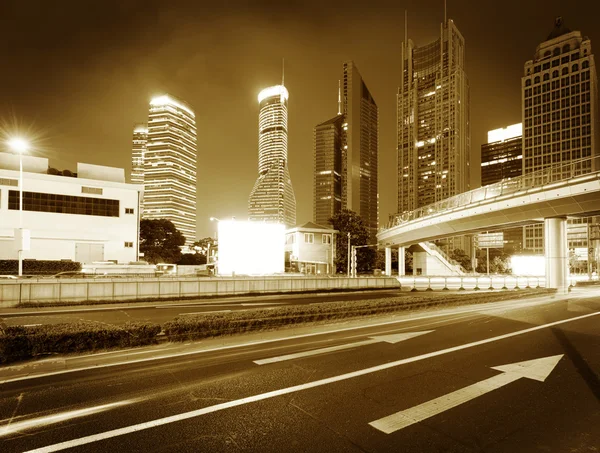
x=20, y=146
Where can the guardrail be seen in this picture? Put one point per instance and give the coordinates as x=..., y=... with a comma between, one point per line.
x=15, y=292
x=475, y=283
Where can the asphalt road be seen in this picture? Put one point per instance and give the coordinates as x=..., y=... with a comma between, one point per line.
x=160, y=312
x=443, y=388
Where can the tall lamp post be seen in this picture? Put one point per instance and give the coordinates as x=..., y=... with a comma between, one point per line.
x=20, y=146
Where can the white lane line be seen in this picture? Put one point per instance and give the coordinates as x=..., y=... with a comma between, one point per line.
x=31, y=325
x=285, y=391
x=537, y=369
x=57, y=418
x=392, y=339
x=449, y=313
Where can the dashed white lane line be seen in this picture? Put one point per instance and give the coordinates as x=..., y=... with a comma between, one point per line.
x=263, y=396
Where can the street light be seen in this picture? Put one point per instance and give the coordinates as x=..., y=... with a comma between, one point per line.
x=20, y=146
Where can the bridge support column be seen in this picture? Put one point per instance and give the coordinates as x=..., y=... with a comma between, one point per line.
x=557, y=257
x=388, y=261
x=401, y=263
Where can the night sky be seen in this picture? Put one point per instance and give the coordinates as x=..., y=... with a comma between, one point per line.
x=76, y=76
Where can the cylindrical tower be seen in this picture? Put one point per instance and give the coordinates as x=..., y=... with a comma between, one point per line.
x=272, y=198
x=272, y=127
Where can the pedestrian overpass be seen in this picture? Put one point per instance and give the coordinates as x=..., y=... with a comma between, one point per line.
x=550, y=196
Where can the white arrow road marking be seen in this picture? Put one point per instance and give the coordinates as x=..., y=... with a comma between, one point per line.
x=537, y=369
x=392, y=339
x=57, y=418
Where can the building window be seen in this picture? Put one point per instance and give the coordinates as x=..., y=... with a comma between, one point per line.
x=129, y=210
x=64, y=204
x=9, y=182
x=326, y=239
x=309, y=238
x=128, y=245
x=94, y=190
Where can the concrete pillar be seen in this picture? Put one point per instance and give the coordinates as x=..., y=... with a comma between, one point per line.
x=401, y=263
x=557, y=256
x=388, y=261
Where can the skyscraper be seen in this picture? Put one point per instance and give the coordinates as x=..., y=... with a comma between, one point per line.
x=328, y=155
x=170, y=165
x=360, y=148
x=272, y=198
x=328, y=169
x=560, y=118
x=502, y=159
x=140, y=139
x=433, y=121
x=502, y=155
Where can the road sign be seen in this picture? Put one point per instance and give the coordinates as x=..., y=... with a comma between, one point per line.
x=537, y=369
x=490, y=240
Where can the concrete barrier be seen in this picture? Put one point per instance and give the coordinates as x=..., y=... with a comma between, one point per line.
x=118, y=289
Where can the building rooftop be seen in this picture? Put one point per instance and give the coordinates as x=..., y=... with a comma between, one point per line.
x=558, y=30
x=331, y=121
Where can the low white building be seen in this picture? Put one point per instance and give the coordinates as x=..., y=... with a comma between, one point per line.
x=91, y=217
x=310, y=249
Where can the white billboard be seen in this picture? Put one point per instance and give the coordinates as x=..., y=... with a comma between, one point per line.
x=251, y=248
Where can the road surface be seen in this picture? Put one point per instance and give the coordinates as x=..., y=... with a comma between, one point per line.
x=520, y=376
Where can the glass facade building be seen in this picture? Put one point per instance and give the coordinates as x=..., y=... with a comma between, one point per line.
x=360, y=148
x=433, y=124
x=140, y=139
x=272, y=198
x=328, y=151
x=433, y=121
x=170, y=165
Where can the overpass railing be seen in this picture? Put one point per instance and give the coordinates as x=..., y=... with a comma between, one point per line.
x=555, y=173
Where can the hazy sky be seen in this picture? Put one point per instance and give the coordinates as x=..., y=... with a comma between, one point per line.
x=77, y=75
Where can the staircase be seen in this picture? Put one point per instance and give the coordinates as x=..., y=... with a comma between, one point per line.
x=433, y=250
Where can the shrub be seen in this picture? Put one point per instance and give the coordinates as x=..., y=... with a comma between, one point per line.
x=214, y=324
x=18, y=342
x=38, y=267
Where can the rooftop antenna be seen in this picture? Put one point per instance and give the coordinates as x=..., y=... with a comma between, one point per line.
x=282, y=71
x=445, y=12
x=339, y=98
x=406, y=27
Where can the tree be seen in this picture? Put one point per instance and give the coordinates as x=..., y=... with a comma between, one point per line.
x=345, y=222
x=462, y=258
x=160, y=241
x=203, y=245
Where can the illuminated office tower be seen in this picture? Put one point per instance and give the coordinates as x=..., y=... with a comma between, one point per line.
x=560, y=118
x=360, y=148
x=502, y=155
x=501, y=160
x=433, y=122
x=272, y=198
x=140, y=138
x=170, y=165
